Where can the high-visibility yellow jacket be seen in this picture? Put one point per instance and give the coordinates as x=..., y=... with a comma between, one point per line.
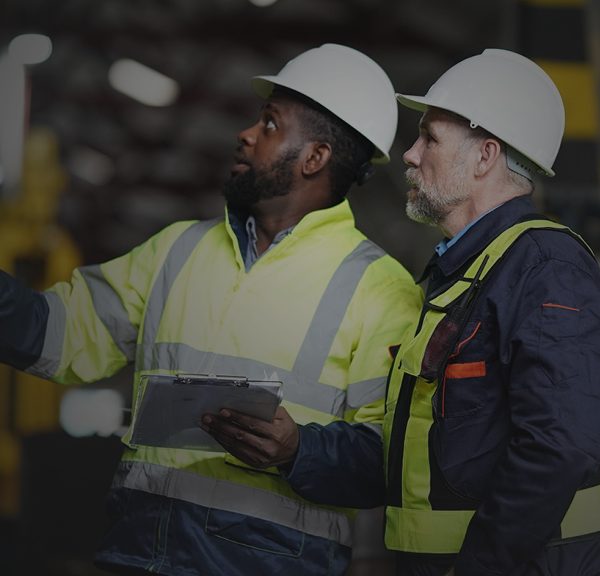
x=320, y=309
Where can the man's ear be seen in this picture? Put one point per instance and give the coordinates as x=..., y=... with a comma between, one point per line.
x=316, y=157
x=490, y=150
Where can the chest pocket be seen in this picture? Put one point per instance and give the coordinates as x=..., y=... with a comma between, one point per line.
x=462, y=388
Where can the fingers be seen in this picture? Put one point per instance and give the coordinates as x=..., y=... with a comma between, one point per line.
x=231, y=432
x=255, y=442
x=253, y=425
x=225, y=429
x=245, y=453
x=248, y=447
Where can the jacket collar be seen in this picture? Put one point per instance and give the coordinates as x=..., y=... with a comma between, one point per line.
x=317, y=221
x=480, y=235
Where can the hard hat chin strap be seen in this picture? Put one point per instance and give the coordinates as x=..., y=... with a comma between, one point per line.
x=364, y=173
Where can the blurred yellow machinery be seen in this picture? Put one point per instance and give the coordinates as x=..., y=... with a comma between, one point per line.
x=34, y=248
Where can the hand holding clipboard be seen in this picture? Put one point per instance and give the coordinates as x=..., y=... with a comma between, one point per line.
x=169, y=408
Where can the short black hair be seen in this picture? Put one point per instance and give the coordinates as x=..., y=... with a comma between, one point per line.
x=350, y=149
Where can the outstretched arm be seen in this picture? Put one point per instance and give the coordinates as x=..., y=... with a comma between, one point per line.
x=23, y=319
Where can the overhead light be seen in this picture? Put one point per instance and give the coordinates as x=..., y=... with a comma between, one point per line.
x=85, y=412
x=92, y=166
x=262, y=3
x=13, y=95
x=142, y=83
x=30, y=48
x=23, y=50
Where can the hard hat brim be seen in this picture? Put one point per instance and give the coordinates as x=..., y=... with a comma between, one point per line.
x=421, y=103
x=263, y=85
x=418, y=103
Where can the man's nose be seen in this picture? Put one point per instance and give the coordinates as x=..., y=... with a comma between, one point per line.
x=247, y=137
x=412, y=156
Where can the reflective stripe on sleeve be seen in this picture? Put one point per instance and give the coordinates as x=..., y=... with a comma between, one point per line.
x=49, y=361
x=111, y=311
x=233, y=497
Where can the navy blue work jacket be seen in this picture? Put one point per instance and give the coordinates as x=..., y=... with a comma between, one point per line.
x=521, y=438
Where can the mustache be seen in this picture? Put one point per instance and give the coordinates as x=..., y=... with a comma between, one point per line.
x=239, y=156
x=412, y=177
x=241, y=159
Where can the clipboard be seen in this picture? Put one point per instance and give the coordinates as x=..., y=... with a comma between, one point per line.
x=169, y=408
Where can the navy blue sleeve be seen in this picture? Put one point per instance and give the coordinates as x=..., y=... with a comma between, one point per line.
x=23, y=319
x=340, y=464
x=553, y=358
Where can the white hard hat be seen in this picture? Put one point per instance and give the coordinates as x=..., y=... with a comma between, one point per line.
x=508, y=95
x=348, y=84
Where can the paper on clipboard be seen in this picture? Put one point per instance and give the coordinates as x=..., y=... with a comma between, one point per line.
x=170, y=407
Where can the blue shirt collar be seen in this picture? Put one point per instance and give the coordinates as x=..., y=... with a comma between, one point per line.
x=449, y=242
x=252, y=255
x=482, y=232
x=244, y=228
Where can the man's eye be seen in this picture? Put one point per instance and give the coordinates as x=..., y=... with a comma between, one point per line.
x=270, y=125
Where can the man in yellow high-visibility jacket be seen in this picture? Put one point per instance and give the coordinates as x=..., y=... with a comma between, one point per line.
x=285, y=283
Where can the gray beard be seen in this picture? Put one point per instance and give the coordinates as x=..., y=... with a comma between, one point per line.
x=423, y=211
x=430, y=206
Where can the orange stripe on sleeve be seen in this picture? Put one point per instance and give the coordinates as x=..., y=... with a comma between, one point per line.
x=551, y=305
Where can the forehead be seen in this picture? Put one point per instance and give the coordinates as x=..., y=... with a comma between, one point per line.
x=283, y=104
x=436, y=118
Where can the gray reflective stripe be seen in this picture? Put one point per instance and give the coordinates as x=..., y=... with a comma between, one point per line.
x=183, y=358
x=232, y=497
x=49, y=361
x=331, y=310
x=174, y=262
x=365, y=392
x=110, y=309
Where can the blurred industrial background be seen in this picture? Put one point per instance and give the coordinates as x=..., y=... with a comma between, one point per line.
x=120, y=117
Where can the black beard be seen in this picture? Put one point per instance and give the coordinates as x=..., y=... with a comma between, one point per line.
x=247, y=188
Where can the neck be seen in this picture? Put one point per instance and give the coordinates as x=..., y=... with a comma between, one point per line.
x=282, y=212
x=477, y=204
